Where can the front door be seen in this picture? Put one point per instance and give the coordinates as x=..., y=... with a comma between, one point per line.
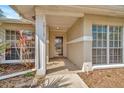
x=59, y=46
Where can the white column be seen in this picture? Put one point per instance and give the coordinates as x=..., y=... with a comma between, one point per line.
x=123, y=44
x=40, y=45
x=107, y=44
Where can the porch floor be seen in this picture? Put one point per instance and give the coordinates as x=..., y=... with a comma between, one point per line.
x=61, y=66
x=63, y=73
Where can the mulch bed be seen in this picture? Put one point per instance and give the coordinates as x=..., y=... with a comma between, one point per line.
x=15, y=81
x=105, y=78
x=12, y=68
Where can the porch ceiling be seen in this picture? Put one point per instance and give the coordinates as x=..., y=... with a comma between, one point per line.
x=60, y=23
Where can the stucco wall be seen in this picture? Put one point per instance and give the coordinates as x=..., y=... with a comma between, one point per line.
x=75, y=50
x=52, y=36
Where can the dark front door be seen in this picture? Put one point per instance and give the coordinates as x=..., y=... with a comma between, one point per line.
x=59, y=46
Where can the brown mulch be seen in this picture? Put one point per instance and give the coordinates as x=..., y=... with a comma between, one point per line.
x=12, y=68
x=15, y=81
x=105, y=78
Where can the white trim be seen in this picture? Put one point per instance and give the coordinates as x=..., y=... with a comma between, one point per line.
x=16, y=74
x=18, y=61
x=107, y=66
x=80, y=39
x=107, y=48
x=123, y=45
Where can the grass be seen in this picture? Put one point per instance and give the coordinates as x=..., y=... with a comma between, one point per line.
x=30, y=74
x=1, y=69
x=108, y=75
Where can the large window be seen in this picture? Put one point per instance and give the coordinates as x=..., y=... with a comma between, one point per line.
x=115, y=44
x=99, y=51
x=20, y=45
x=12, y=50
x=107, y=44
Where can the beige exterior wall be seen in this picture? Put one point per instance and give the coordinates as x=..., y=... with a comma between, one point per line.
x=14, y=26
x=52, y=36
x=75, y=49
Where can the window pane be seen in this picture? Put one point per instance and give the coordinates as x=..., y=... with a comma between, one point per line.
x=105, y=36
x=111, y=36
x=104, y=60
x=7, y=32
x=104, y=29
x=94, y=44
x=99, y=28
x=116, y=36
x=111, y=29
x=99, y=59
x=98, y=51
x=94, y=52
x=94, y=36
x=103, y=51
x=13, y=33
x=94, y=28
x=100, y=36
x=99, y=44
x=7, y=37
x=104, y=43
x=111, y=43
x=116, y=44
x=111, y=51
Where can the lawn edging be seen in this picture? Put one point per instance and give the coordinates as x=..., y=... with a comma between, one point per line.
x=84, y=84
x=16, y=74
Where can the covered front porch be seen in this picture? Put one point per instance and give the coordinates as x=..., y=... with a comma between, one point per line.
x=55, y=37
x=61, y=65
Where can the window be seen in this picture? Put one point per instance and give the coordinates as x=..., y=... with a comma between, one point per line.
x=16, y=49
x=99, y=44
x=12, y=50
x=106, y=42
x=115, y=44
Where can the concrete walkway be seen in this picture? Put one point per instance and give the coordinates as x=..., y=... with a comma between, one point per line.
x=61, y=66
x=61, y=73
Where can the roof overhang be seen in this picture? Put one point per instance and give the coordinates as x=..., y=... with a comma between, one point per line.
x=19, y=21
x=28, y=11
